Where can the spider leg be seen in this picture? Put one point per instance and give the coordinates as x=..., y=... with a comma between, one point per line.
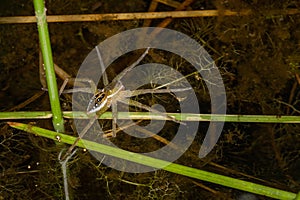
x=80, y=136
x=81, y=81
x=114, y=118
x=153, y=91
x=120, y=76
x=145, y=107
x=104, y=76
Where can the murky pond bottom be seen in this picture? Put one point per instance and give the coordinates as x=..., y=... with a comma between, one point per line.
x=257, y=56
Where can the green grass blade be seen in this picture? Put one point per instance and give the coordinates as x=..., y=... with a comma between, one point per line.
x=26, y=115
x=156, y=163
x=147, y=116
x=40, y=13
x=193, y=117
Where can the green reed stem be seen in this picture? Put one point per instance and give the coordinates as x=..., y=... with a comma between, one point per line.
x=156, y=163
x=147, y=116
x=40, y=12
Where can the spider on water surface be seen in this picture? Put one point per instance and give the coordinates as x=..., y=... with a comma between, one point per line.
x=115, y=92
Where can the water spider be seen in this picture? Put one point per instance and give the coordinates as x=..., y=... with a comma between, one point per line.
x=115, y=92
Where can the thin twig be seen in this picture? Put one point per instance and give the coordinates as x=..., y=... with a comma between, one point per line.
x=141, y=15
x=28, y=101
x=289, y=105
x=292, y=93
x=152, y=8
x=298, y=78
x=170, y=3
x=182, y=6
